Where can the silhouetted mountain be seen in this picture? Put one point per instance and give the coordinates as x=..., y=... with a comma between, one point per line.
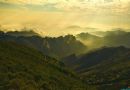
x=24, y=68
x=91, y=41
x=104, y=67
x=85, y=36
x=101, y=55
x=22, y=33
x=117, y=38
x=55, y=47
x=110, y=38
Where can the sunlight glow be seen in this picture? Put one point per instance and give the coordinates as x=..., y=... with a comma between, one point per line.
x=53, y=17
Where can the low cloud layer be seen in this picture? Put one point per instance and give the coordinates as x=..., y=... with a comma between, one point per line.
x=53, y=17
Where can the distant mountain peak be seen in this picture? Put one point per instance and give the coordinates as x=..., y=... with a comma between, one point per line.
x=22, y=33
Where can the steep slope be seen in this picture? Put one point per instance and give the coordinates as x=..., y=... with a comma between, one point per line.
x=70, y=60
x=113, y=73
x=106, y=67
x=100, y=55
x=55, y=47
x=24, y=68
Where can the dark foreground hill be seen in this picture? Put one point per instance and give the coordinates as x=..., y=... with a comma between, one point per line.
x=108, y=67
x=23, y=68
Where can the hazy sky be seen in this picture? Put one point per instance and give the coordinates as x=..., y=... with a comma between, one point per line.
x=56, y=17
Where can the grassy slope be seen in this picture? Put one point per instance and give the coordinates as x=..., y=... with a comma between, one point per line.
x=23, y=68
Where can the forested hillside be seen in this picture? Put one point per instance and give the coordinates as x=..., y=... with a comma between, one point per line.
x=24, y=68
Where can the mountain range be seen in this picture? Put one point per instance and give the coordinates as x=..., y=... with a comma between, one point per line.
x=109, y=38
x=55, y=47
x=82, y=62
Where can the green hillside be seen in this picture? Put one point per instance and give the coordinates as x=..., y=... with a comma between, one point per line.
x=23, y=68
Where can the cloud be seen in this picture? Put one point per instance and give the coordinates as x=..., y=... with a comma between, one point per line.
x=32, y=7
x=97, y=7
x=75, y=5
x=53, y=16
x=45, y=7
x=4, y=5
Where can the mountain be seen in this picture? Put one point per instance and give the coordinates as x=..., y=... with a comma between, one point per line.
x=106, y=67
x=114, y=38
x=84, y=36
x=22, y=33
x=90, y=40
x=24, y=68
x=101, y=55
x=117, y=38
x=55, y=47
